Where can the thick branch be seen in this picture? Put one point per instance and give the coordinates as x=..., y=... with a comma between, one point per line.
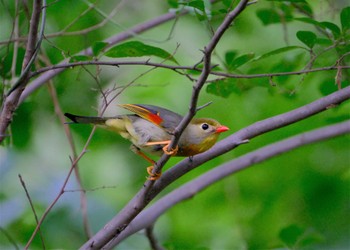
x=149, y=216
x=32, y=48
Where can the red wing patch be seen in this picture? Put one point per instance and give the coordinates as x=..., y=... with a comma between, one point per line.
x=146, y=113
x=155, y=118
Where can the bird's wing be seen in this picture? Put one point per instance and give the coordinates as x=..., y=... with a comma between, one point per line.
x=159, y=116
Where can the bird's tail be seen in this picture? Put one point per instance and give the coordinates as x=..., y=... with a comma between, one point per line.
x=86, y=119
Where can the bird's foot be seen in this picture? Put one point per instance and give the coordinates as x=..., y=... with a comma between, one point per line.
x=166, y=150
x=153, y=176
x=172, y=151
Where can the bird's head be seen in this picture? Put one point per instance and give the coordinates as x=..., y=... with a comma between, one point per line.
x=200, y=135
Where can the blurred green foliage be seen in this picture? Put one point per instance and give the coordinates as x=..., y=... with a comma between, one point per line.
x=299, y=200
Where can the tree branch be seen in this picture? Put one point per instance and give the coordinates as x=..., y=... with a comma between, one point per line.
x=149, y=216
x=152, y=239
x=32, y=49
x=179, y=67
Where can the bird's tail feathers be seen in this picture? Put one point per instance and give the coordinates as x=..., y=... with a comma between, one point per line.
x=85, y=119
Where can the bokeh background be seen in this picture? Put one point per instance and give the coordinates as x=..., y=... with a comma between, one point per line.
x=296, y=200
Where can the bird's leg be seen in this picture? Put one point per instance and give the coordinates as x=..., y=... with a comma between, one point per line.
x=137, y=151
x=153, y=176
x=165, y=148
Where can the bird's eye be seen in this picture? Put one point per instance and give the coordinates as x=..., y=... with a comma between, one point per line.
x=205, y=126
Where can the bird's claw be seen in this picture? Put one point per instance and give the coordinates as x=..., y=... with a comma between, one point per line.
x=153, y=176
x=171, y=151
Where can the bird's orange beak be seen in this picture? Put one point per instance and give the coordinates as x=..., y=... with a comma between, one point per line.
x=221, y=129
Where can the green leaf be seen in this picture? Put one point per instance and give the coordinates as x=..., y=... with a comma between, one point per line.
x=304, y=7
x=307, y=37
x=200, y=16
x=296, y=237
x=311, y=237
x=138, y=49
x=327, y=86
x=173, y=3
x=327, y=26
x=228, y=3
x=268, y=16
x=271, y=16
x=199, y=9
x=223, y=88
x=97, y=47
x=278, y=51
x=239, y=61
x=345, y=19
x=291, y=234
x=332, y=27
x=309, y=20
x=324, y=41
x=291, y=1
x=79, y=58
x=198, y=4
x=229, y=57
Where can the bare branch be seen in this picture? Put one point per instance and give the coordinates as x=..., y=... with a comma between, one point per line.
x=32, y=49
x=62, y=189
x=9, y=238
x=152, y=238
x=149, y=216
x=179, y=67
x=32, y=207
x=83, y=199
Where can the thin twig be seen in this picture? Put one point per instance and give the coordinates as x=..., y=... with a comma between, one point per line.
x=177, y=67
x=32, y=207
x=89, y=190
x=61, y=191
x=204, y=106
x=83, y=199
x=152, y=238
x=10, y=238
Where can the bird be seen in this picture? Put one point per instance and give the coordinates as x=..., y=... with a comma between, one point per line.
x=150, y=128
